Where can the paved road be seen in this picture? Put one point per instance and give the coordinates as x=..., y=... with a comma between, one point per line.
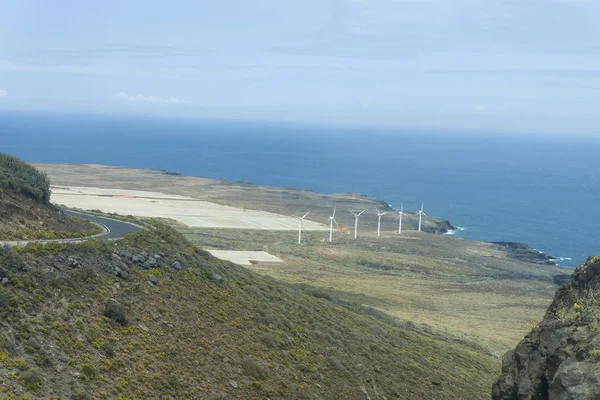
x=113, y=229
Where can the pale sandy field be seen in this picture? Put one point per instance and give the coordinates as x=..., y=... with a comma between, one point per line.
x=246, y=257
x=186, y=210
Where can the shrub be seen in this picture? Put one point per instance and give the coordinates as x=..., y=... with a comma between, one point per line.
x=31, y=379
x=269, y=340
x=115, y=311
x=257, y=370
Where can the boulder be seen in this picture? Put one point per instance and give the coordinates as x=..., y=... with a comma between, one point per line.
x=72, y=262
x=123, y=274
x=115, y=257
x=122, y=266
x=176, y=265
x=217, y=278
x=152, y=279
x=33, y=343
x=150, y=263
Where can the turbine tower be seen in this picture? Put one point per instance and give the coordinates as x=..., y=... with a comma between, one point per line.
x=421, y=214
x=379, y=214
x=400, y=214
x=356, y=222
x=300, y=220
x=331, y=221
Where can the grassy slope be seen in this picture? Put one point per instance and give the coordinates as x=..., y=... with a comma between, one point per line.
x=190, y=337
x=452, y=284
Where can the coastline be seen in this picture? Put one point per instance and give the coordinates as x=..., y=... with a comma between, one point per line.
x=270, y=198
x=245, y=195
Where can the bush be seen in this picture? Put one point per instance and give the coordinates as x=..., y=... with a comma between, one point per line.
x=115, y=311
x=31, y=379
x=255, y=369
x=269, y=340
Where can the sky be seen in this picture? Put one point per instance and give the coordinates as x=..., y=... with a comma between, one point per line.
x=498, y=65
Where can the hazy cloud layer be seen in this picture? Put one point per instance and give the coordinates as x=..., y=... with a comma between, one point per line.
x=147, y=99
x=461, y=64
x=3, y=92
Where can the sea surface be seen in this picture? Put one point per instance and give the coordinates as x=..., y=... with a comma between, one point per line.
x=540, y=190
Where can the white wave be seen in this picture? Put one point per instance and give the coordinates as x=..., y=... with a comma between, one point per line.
x=562, y=259
x=453, y=231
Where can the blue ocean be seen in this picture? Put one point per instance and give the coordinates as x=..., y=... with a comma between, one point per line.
x=540, y=190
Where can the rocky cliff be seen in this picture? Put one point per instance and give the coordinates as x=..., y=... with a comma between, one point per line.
x=560, y=358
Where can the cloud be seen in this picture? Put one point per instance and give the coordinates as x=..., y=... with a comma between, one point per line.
x=3, y=92
x=147, y=99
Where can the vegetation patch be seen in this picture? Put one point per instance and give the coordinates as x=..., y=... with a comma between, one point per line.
x=21, y=177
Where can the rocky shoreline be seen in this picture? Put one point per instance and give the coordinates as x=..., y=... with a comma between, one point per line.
x=521, y=251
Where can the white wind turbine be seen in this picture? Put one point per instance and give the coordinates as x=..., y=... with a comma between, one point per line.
x=400, y=214
x=421, y=214
x=331, y=221
x=379, y=214
x=356, y=222
x=300, y=220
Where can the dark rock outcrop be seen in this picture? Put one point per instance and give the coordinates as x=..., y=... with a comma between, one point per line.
x=560, y=358
x=521, y=251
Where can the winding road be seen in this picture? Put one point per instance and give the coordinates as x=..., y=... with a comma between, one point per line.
x=112, y=229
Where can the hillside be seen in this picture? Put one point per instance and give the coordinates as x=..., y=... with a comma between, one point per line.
x=152, y=316
x=25, y=209
x=470, y=289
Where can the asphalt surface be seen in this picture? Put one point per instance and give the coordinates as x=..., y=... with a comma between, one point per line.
x=113, y=229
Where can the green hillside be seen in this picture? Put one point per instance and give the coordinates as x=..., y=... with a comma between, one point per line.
x=195, y=327
x=23, y=178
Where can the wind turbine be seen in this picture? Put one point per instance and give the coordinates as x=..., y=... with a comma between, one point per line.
x=421, y=214
x=331, y=221
x=300, y=220
x=356, y=222
x=379, y=214
x=400, y=214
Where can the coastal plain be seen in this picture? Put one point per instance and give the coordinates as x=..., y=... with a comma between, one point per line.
x=471, y=290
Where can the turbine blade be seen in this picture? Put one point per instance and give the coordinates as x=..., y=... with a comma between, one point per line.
x=304, y=216
x=376, y=209
x=384, y=213
x=361, y=212
x=333, y=216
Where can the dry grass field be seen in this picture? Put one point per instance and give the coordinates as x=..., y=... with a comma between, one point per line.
x=454, y=285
